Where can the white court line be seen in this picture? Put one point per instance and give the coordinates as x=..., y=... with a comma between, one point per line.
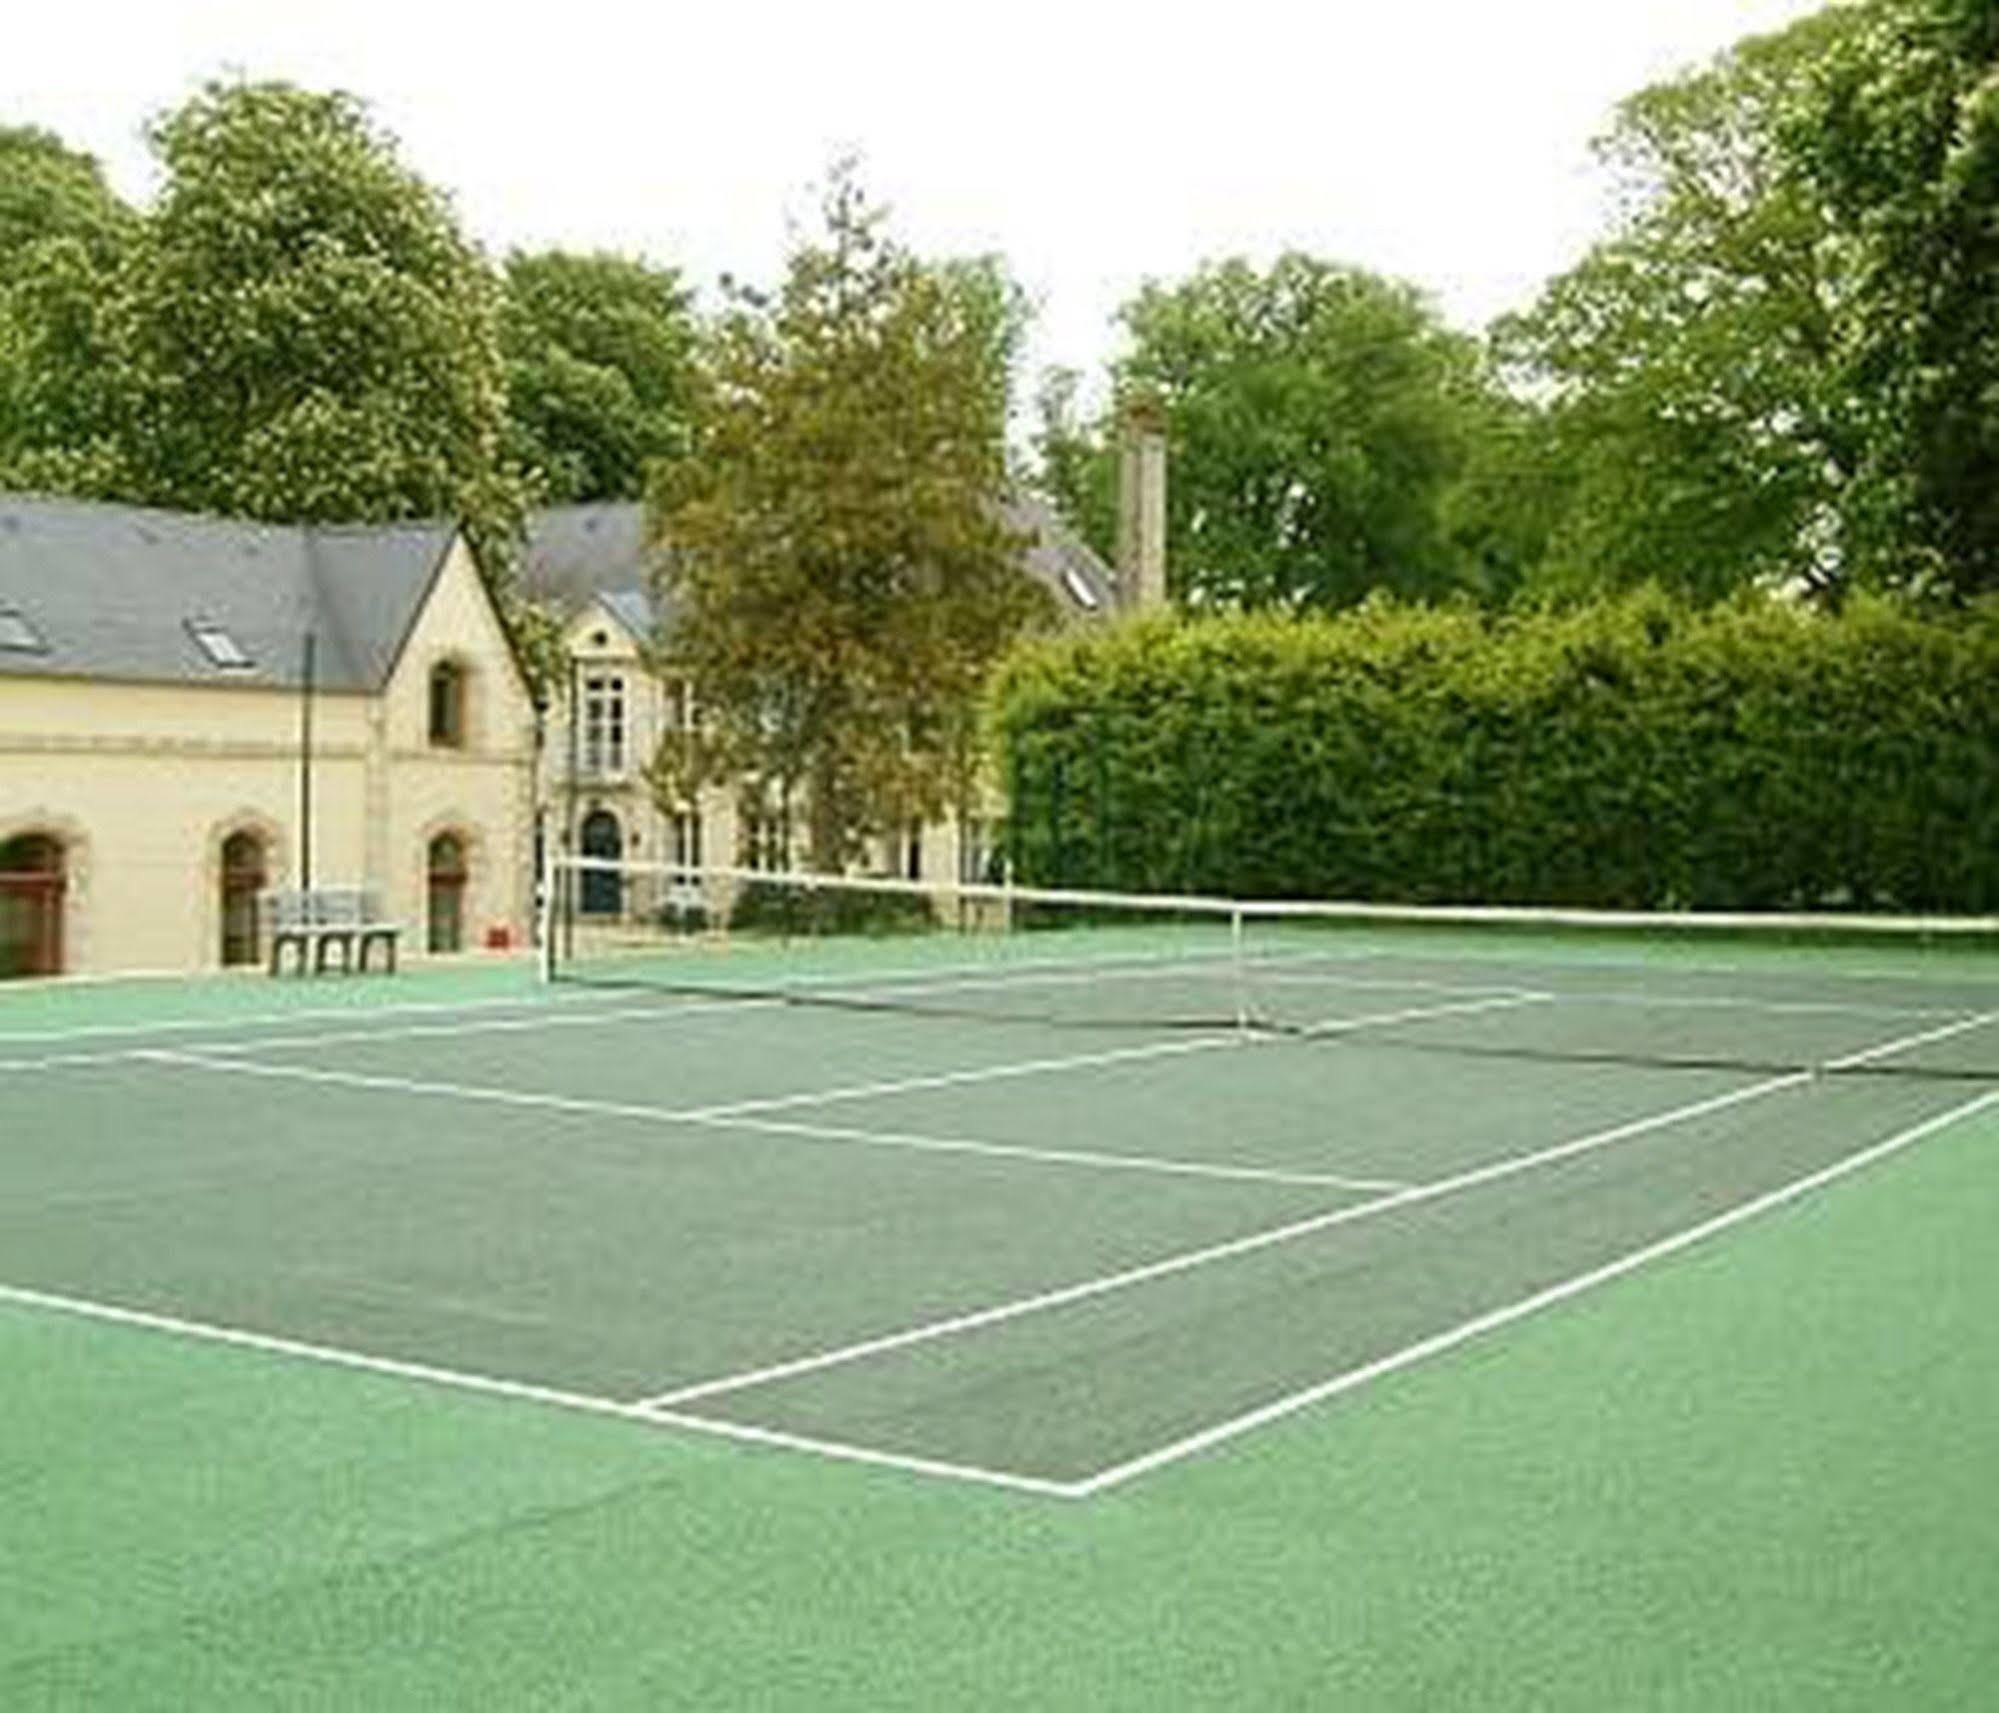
x=418, y=1032
x=1056, y=1156
x=1774, y=963
x=1122, y=1055
x=662, y=1009
x=1003, y=1312
x=523, y=1391
x=181, y=1025
x=808, y=1132
x=1491, y=1172
x=735, y=1109
x=1086, y=1487
x=1722, y=1001
x=1869, y=1054
x=939, y=978
x=1208, y=1438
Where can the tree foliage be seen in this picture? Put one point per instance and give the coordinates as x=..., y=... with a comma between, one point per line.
x=600, y=353
x=837, y=569
x=1077, y=460
x=1317, y=418
x=296, y=329
x=63, y=238
x=49, y=192
x=1693, y=354
x=314, y=336
x=1782, y=365
x=1897, y=134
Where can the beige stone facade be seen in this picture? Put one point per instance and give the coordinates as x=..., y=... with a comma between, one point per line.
x=165, y=799
x=602, y=802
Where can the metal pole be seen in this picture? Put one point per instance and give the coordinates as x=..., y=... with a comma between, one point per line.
x=569, y=831
x=1241, y=973
x=306, y=674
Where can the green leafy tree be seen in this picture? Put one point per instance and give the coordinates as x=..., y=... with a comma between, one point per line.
x=600, y=354
x=314, y=338
x=50, y=191
x=295, y=330
x=1077, y=462
x=837, y=567
x=1897, y=135
x=1694, y=361
x=63, y=233
x=1317, y=416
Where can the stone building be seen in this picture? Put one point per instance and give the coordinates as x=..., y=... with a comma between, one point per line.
x=593, y=564
x=156, y=772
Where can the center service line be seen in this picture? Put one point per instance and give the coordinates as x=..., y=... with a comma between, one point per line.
x=1001, y=1312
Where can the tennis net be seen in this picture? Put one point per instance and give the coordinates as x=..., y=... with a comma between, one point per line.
x=1834, y=995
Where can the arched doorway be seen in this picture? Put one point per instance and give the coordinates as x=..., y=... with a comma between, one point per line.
x=31, y=895
x=447, y=874
x=244, y=875
x=603, y=890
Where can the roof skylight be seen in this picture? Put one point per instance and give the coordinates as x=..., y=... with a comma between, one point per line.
x=222, y=649
x=17, y=634
x=1079, y=589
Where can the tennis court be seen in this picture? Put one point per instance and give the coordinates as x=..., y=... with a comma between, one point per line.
x=993, y=1242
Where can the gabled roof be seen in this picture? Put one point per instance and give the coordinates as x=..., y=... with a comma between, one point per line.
x=120, y=592
x=576, y=554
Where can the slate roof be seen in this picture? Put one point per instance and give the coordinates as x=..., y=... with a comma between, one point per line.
x=111, y=591
x=579, y=553
x=632, y=608
x=574, y=553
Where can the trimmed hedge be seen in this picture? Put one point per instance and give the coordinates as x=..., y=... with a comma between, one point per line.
x=1637, y=754
x=788, y=910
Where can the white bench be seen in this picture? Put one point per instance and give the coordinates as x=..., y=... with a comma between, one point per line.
x=318, y=919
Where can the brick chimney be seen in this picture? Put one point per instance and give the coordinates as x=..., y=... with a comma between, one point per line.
x=1141, y=519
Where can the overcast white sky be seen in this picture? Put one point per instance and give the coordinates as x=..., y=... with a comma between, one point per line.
x=1094, y=145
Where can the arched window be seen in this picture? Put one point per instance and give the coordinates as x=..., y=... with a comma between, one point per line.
x=603, y=890
x=31, y=897
x=243, y=881
x=447, y=705
x=447, y=874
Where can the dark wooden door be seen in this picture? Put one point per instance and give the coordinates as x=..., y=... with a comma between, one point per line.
x=447, y=893
x=32, y=883
x=243, y=879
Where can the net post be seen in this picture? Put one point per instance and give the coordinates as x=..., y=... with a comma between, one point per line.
x=1241, y=968
x=544, y=911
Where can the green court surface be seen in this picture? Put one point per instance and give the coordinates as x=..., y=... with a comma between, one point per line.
x=1558, y=1326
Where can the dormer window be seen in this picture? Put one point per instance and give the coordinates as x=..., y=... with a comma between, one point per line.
x=222, y=649
x=447, y=705
x=17, y=635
